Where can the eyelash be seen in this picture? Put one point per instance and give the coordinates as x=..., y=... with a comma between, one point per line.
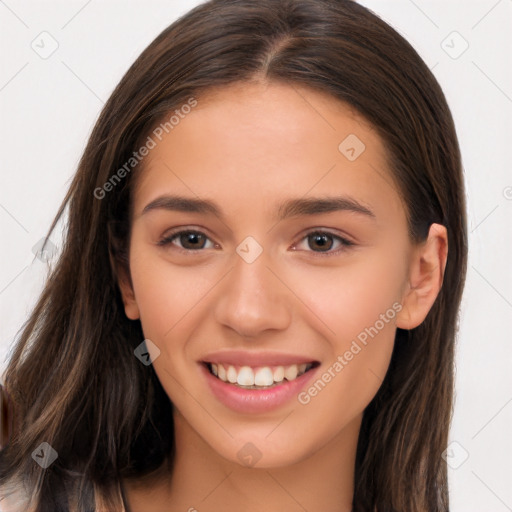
x=346, y=244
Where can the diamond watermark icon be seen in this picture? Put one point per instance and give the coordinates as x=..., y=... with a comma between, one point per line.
x=249, y=249
x=146, y=352
x=249, y=455
x=45, y=45
x=455, y=455
x=351, y=147
x=454, y=45
x=44, y=250
x=44, y=455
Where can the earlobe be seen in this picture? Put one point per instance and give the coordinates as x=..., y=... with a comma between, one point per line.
x=425, y=278
x=131, y=308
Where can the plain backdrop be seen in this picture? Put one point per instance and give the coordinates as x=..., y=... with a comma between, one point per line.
x=61, y=60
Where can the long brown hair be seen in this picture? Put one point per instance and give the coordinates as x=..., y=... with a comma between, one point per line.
x=104, y=413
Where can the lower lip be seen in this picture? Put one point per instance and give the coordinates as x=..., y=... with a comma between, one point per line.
x=256, y=400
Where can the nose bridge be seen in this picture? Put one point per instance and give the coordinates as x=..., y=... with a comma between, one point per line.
x=252, y=299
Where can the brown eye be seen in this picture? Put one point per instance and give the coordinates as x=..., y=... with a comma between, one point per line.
x=321, y=242
x=188, y=240
x=192, y=240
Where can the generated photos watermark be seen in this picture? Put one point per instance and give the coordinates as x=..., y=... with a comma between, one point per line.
x=304, y=397
x=151, y=143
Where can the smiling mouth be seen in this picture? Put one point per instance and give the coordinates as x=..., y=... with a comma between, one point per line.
x=260, y=377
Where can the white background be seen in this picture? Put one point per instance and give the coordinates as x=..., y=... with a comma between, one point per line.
x=48, y=108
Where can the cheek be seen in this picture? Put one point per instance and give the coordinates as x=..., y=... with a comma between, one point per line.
x=351, y=297
x=362, y=317
x=357, y=305
x=172, y=299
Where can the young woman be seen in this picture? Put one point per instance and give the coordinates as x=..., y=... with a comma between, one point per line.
x=256, y=302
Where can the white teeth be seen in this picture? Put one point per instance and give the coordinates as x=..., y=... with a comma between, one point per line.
x=245, y=376
x=231, y=374
x=278, y=374
x=261, y=376
x=290, y=372
x=264, y=377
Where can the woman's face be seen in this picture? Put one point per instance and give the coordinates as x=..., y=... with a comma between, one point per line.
x=299, y=257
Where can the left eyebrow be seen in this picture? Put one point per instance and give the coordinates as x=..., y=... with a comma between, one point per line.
x=317, y=205
x=287, y=209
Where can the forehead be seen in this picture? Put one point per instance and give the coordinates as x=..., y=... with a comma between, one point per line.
x=255, y=142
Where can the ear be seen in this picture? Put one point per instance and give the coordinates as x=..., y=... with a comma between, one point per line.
x=426, y=272
x=131, y=308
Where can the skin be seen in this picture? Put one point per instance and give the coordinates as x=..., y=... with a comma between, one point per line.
x=248, y=148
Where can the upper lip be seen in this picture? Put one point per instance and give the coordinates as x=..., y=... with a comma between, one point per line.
x=244, y=358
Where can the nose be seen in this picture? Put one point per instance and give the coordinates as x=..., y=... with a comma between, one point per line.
x=253, y=299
